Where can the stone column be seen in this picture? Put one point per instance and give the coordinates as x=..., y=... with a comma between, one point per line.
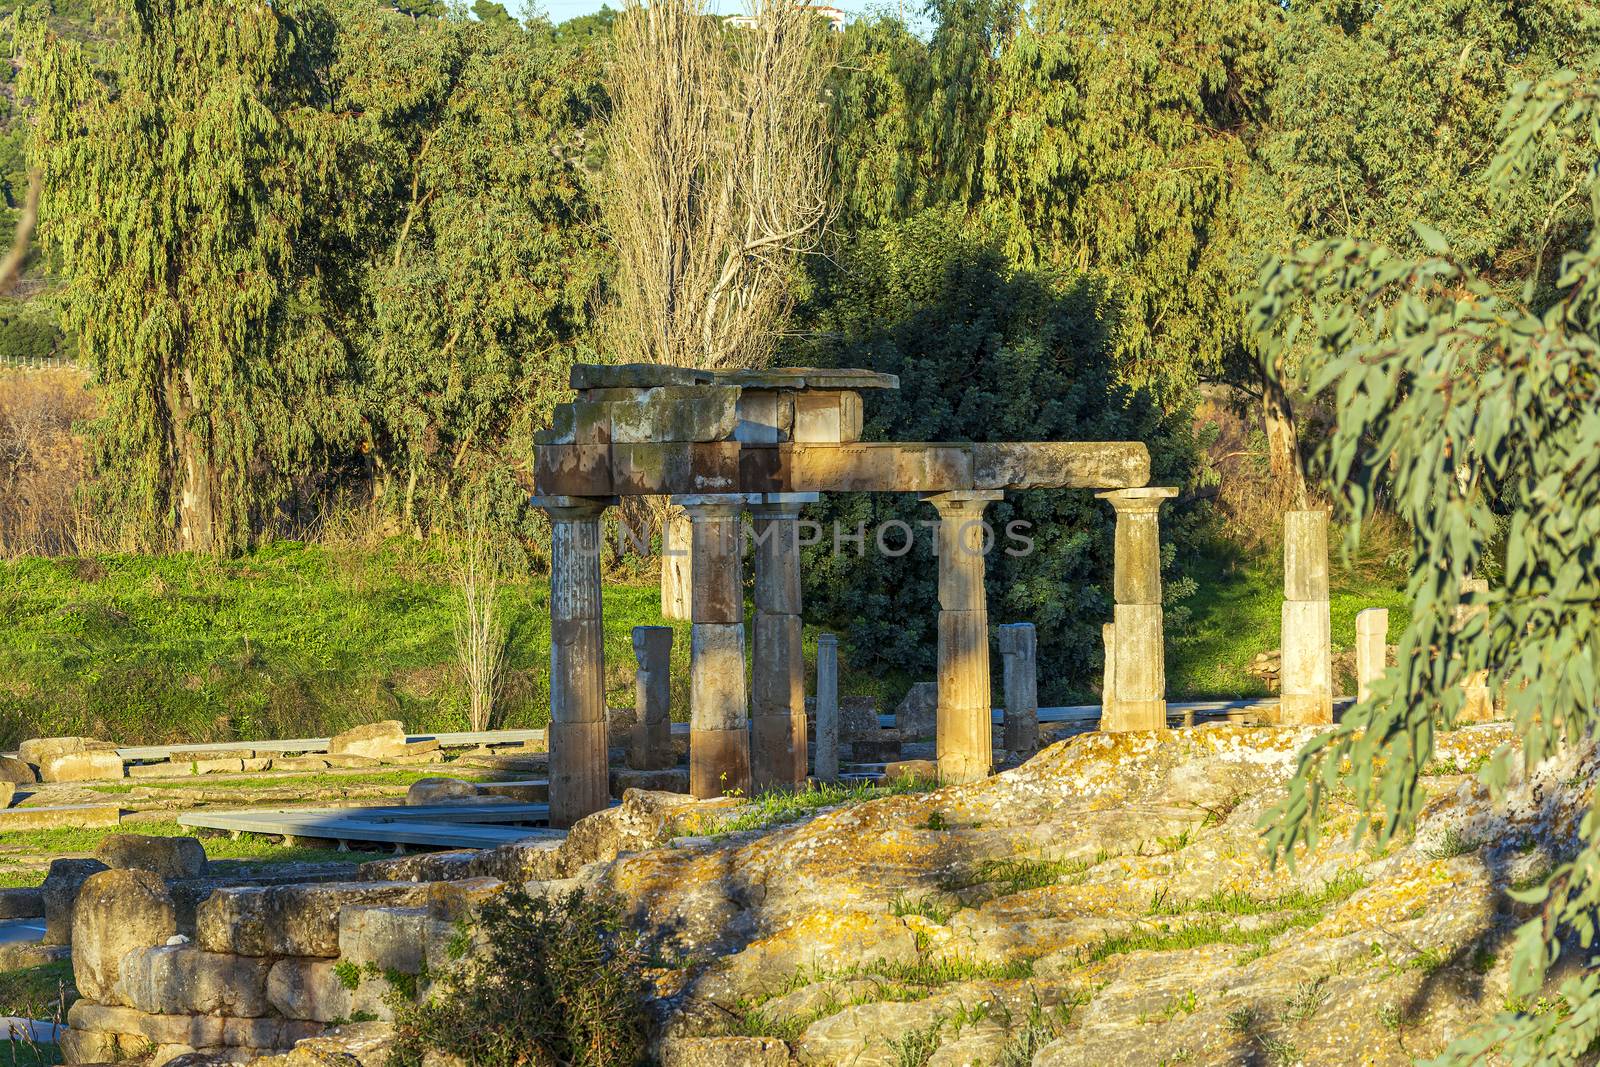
x=964, y=735
x=719, y=723
x=778, y=668
x=827, y=750
x=675, y=565
x=1138, y=667
x=1372, y=648
x=1306, y=678
x=1479, y=703
x=579, y=777
x=1019, y=653
x=652, y=702
x=1108, y=686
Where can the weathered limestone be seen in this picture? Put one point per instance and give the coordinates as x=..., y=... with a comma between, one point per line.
x=16, y=771
x=169, y=857
x=965, y=739
x=291, y=920
x=917, y=717
x=374, y=740
x=1139, y=677
x=440, y=791
x=676, y=550
x=117, y=912
x=182, y=979
x=1108, y=687
x=61, y=887
x=1372, y=648
x=1478, y=705
x=719, y=725
x=1307, y=671
x=826, y=757
x=1019, y=655
x=44, y=818
x=579, y=782
x=652, y=709
x=778, y=679
x=80, y=765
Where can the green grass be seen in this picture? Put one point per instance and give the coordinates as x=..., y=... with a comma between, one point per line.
x=791, y=805
x=1237, y=612
x=287, y=641
x=37, y=992
x=1011, y=876
x=248, y=848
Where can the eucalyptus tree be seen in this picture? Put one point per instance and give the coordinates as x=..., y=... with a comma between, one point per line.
x=1459, y=382
x=192, y=194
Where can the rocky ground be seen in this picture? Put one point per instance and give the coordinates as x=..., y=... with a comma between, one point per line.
x=1106, y=903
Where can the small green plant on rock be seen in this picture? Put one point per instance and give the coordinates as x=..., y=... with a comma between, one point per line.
x=558, y=980
x=915, y=1048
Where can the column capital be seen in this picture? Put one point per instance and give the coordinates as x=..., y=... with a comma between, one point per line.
x=959, y=501
x=1144, y=499
x=573, y=508
x=705, y=506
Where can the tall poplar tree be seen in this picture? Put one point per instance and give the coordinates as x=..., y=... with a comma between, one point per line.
x=192, y=191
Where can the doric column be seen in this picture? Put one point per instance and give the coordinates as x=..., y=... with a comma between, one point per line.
x=778, y=668
x=1019, y=656
x=1306, y=678
x=1372, y=648
x=719, y=722
x=827, y=754
x=965, y=739
x=1138, y=668
x=652, y=703
x=579, y=778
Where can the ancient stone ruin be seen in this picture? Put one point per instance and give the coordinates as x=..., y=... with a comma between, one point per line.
x=720, y=443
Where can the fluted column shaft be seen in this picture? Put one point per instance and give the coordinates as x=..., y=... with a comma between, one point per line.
x=1306, y=669
x=719, y=721
x=579, y=777
x=778, y=669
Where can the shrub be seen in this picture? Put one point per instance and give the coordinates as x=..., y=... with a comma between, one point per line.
x=984, y=352
x=551, y=980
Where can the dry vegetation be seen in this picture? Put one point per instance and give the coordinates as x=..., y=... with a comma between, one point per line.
x=43, y=460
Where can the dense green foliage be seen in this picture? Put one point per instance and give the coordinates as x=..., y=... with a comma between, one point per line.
x=561, y=978
x=984, y=351
x=1479, y=405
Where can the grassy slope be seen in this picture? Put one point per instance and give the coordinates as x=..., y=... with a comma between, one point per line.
x=294, y=641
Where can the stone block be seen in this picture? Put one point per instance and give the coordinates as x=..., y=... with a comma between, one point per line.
x=716, y=677
x=427, y=746
x=778, y=671
x=1306, y=681
x=766, y=417
x=858, y=719
x=440, y=790
x=22, y=903
x=522, y=792
x=1141, y=674
x=378, y=740
x=827, y=418
x=179, y=979
x=224, y=765
x=310, y=990
x=572, y=470
x=651, y=747
x=256, y=763
x=60, y=890
x=7, y=791
x=88, y=766
x=925, y=770
x=458, y=898
x=719, y=762
x=299, y=763
x=169, y=857
x=391, y=939
x=164, y=769
x=1372, y=649
x=724, y=1052
x=117, y=912
x=1305, y=555
x=918, y=714
x=1018, y=643
x=36, y=750
x=673, y=468
x=696, y=413
x=348, y=762
x=290, y=920
x=16, y=771
x=89, y=1046
x=876, y=467
x=80, y=816
x=1062, y=465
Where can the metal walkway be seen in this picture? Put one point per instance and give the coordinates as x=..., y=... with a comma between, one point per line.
x=439, y=825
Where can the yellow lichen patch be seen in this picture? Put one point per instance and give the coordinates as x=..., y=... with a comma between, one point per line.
x=1400, y=896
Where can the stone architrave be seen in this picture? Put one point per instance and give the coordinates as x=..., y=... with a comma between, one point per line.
x=719, y=720
x=1306, y=681
x=1138, y=698
x=965, y=739
x=652, y=723
x=1478, y=705
x=579, y=778
x=826, y=767
x=1372, y=648
x=778, y=670
x=1019, y=656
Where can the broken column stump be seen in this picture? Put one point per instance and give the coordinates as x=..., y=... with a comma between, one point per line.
x=1019, y=655
x=652, y=723
x=1138, y=697
x=1306, y=695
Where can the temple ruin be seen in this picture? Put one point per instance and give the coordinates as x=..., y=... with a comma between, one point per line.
x=720, y=443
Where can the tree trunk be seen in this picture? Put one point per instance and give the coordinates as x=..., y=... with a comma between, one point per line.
x=197, y=531
x=1283, y=445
